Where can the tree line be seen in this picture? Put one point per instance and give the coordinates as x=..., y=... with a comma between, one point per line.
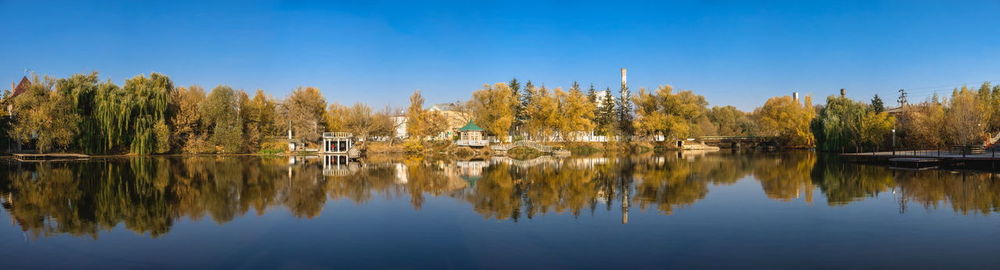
x=149, y=115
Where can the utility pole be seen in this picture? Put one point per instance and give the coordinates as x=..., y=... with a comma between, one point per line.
x=902, y=98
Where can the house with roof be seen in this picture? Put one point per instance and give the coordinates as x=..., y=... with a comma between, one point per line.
x=454, y=116
x=472, y=135
x=7, y=104
x=16, y=90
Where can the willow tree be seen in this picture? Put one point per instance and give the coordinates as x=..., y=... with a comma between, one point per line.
x=134, y=117
x=493, y=108
x=44, y=116
x=80, y=91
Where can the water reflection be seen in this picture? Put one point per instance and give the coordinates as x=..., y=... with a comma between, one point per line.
x=148, y=195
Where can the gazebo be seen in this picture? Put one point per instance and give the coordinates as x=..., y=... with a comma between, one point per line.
x=472, y=135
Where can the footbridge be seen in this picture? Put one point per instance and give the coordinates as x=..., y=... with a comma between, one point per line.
x=739, y=141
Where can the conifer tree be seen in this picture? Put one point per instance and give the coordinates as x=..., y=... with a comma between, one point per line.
x=625, y=126
x=877, y=104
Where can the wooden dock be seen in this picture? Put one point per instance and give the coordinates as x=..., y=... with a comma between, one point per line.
x=928, y=158
x=49, y=157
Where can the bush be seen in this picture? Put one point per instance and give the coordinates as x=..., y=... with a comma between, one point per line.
x=523, y=153
x=413, y=146
x=465, y=152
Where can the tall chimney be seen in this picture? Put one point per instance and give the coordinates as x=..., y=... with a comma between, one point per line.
x=795, y=96
x=624, y=81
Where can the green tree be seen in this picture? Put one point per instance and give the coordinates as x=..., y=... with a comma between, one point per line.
x=877, y=105
x=625, y=114
x=606, y=114
x=516, y=107
x=221, y=115
x=134, y=116
x=44, y=117
x=730, y=121
x=81, y=90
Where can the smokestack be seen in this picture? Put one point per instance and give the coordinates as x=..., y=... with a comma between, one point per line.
x=795, y=96
x=624, y=81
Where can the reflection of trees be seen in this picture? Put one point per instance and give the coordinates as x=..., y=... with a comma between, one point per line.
x=148, y=194
x=785, y=176
x=966, y=192
x=844, y=182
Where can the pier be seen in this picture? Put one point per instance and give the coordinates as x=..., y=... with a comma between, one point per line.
x=49, y=157
x=917, y=159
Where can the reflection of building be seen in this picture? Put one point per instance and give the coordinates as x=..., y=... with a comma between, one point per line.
x=339, y=165
x=472, y=167
x=401, y=173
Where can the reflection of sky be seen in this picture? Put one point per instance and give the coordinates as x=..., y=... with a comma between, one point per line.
x=735, y=222
x=733, y=225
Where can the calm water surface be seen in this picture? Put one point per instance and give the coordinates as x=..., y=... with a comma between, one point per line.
x=716, y=210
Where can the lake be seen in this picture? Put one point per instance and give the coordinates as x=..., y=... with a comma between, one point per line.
x=676, y=210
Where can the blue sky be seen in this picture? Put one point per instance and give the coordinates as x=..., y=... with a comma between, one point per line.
x=732, y=52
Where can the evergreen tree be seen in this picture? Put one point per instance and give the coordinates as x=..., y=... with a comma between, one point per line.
x=522, y=115
x=606, y=114
x=517, y=107
x=625, y=116
x=592, y=95
x=877, y=105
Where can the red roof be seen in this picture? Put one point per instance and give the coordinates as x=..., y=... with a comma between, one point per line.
x=21, y=87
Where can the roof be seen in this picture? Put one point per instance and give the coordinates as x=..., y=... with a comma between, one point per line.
x=471, y=127
x=21, y=87
x=450, y=106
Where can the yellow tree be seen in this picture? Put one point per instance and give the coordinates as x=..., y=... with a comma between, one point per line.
x=258, y=118
x=493, y=108
x=305, y=110
x=336, y=117
x=543, y=113
x=577, y=112
x=187, y=121
x=788, y=119
x=965, y=118
x=875, y=127
x=415, y=117
x=679, y=115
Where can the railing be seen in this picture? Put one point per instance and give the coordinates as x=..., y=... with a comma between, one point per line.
x=472, y=142
x=337, y=135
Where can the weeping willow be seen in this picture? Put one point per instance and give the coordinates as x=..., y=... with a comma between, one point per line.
x=133, y=117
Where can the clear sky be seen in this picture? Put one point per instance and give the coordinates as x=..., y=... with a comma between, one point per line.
x=732, y=52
